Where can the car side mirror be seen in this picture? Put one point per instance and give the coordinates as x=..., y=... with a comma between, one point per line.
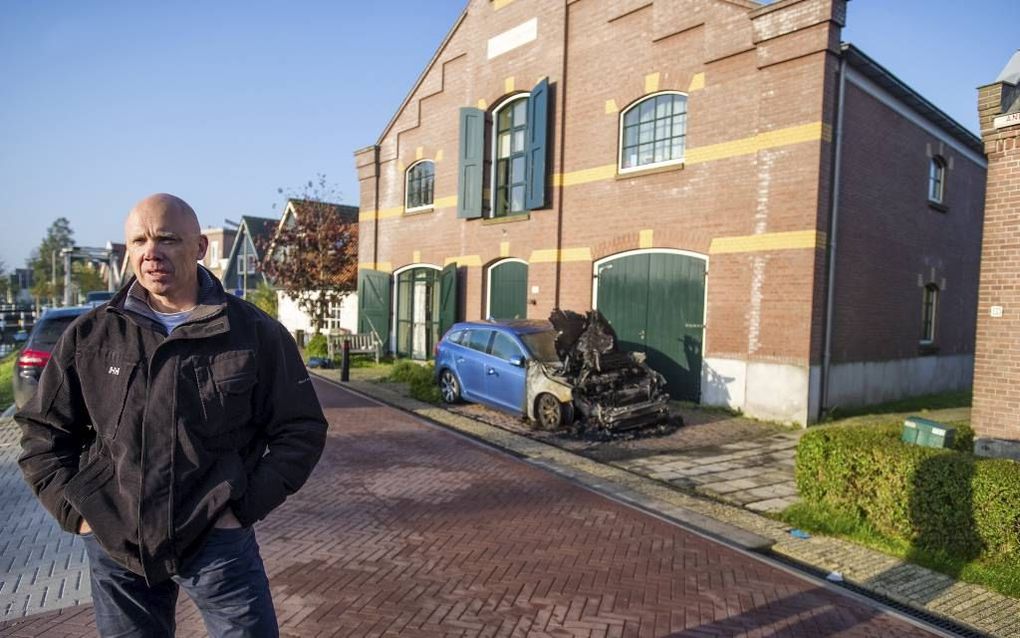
x=517, y=360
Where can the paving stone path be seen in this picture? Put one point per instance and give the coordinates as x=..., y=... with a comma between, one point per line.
x=41, y=567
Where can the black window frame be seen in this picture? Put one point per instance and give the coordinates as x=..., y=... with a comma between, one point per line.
x=503, y=168
x=635, y=120
x=929, y=308
x=420, y=185
x=937, y=179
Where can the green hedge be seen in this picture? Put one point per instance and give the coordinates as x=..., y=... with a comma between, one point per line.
x=937, y=500
x=317, y=346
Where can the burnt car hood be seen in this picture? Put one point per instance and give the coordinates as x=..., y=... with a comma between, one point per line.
x=613, y=391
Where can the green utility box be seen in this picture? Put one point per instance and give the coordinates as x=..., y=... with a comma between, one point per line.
x=927, y=433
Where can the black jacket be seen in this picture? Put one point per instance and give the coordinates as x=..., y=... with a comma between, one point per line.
x=149, y=438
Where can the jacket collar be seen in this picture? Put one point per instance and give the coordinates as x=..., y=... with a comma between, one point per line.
x=212, y=300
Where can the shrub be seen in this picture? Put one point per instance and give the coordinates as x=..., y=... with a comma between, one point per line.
x=420, y=378
x=937, y=500
x=317, y=346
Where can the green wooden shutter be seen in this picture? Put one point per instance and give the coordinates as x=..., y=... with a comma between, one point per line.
x=508, y=291
x=447, y=298
x=472, y=160
x=536, y=147
x=374, y=304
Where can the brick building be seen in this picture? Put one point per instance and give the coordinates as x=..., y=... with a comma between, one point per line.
x=221, y=244
x=997, y=360
x=690, y=168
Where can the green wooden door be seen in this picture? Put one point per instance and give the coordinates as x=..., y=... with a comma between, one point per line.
x=374, y=304
x=656, y=304
x=508, y=290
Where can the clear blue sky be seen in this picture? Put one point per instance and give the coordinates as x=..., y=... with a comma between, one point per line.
x=223, y=102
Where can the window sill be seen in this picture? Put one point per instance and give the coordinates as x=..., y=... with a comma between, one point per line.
x=509, y=219
x=940, y=207
x=651, y=170
x=421, y=210
x=927, y=349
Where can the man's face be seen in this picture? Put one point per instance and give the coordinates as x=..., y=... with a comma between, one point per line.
x=164, y=244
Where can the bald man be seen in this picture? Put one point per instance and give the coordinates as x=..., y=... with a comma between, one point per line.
x=166, y=423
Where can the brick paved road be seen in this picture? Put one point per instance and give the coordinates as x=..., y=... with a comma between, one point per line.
x=408, y=530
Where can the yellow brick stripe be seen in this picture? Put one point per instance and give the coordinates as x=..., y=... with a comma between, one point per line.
x=551, y=255
x=724, y=150
x=791, y=240
x=464, y=260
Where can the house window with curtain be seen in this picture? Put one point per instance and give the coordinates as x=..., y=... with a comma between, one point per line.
x=931, y=295
x=936, y=179
x=420, y=185
x=653, y=132
x=509, y=177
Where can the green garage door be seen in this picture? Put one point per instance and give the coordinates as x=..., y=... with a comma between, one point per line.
x=508, y=290
x=656, y=304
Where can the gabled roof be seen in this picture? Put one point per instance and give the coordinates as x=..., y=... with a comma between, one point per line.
x=885, y=79
x=1011, y=73
x=421, y=78
x=258, y=228
x=347, y=213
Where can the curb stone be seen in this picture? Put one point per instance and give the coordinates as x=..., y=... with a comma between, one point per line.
x=910, y=585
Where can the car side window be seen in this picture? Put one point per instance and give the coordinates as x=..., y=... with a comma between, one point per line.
x=457, y=337
x=504, y=347
x=478, y=339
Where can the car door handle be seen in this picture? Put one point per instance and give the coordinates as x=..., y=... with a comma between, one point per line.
x=460, y=359
x=491, y=371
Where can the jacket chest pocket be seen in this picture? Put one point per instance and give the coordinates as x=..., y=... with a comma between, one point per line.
x=225, y=385
x=105, y=378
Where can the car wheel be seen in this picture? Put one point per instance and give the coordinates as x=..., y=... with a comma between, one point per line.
x=449, y=387
x=550, y=414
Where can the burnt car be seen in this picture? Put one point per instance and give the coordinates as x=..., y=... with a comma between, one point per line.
x=33, y=357
x=551, y=372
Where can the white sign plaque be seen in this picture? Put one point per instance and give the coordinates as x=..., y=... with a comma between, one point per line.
x=996, y=311
x=1007, y=120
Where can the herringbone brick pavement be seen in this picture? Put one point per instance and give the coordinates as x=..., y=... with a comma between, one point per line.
x=409, y=530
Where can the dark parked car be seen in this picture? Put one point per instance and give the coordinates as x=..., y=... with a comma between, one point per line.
x=36, y=352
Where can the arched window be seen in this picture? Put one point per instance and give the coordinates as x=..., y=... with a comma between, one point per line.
x=420, y=182
x=653, y=131
x=509, y=177
x=937, y=179
x=931, y=298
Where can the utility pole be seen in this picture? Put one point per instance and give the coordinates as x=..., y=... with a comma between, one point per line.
x=245, y=269
x=53, y=278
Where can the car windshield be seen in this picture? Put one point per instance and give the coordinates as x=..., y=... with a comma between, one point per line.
x=49, y=330
x=542, y=345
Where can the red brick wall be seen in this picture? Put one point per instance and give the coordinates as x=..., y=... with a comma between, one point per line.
x=891, y=242
x=765, y=70
x=997, y=359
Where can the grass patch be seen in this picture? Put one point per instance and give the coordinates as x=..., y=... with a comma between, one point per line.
x=942, y=401
x=421, y=379
x=7, y=379
x=1001, y=576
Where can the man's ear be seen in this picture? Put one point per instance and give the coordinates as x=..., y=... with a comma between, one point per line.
x=203, y=244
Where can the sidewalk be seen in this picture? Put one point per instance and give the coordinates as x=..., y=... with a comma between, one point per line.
x=741, y=474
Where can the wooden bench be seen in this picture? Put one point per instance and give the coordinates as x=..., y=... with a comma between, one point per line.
x=366, y=343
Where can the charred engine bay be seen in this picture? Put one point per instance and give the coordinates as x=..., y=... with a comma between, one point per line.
x=616, y=395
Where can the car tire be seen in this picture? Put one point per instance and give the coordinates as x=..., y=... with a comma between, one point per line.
x=550, y=414
x=449, y=387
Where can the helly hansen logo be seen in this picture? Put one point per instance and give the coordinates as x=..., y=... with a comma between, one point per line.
x=113, y=370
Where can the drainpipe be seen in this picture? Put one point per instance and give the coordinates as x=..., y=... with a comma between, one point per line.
x=833, y=233
x=562, y=91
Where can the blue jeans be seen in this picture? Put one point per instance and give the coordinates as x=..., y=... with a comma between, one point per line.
x=226, y=580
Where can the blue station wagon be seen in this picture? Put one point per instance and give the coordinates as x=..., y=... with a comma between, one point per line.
x=505, y=365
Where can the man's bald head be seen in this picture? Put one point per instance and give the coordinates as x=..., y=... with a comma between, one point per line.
x=169, y=205
x=165, y=242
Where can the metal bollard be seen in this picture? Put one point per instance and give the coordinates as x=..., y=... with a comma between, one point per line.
x=345, y=362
